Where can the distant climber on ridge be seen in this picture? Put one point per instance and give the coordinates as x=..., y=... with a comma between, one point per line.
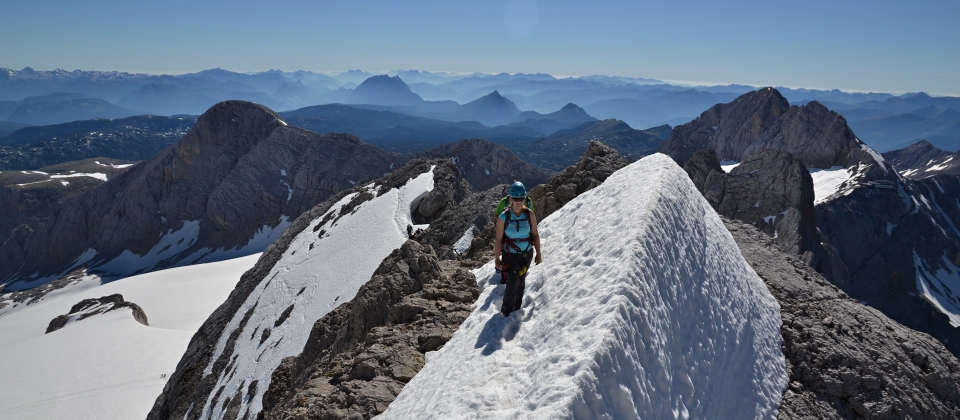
x=516, y=229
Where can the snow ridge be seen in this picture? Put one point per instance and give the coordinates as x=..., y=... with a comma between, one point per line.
x=643, y=308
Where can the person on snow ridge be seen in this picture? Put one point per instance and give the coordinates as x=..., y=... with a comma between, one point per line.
x=516, y=238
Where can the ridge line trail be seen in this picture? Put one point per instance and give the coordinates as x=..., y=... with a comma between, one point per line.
x=79, y=394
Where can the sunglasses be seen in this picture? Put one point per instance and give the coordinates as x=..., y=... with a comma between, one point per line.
x=517, y=199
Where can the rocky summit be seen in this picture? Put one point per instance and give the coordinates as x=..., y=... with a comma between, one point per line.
x=228, y=188
x=805, y=179
x=922, y=160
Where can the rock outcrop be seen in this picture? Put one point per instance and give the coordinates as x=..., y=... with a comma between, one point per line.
x=591, y=170
x=359, y=356
x=485, y=164
x=90, y=307
x=239, y=174
x=452, y=235
x=847, y=360
x=771, y=190
x=10, y=300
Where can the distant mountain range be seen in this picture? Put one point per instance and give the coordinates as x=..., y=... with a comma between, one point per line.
x=562, y=135
x=882, y=120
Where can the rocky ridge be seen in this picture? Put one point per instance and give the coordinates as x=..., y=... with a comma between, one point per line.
x=95, y=306
x=847, y=360
x=922, y=160
x=189, y=385
x=771, y=189
x=360, y=355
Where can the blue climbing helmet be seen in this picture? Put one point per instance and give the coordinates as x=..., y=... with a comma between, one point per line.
x=517, y=190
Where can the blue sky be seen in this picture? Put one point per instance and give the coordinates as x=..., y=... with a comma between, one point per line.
x=882, y=46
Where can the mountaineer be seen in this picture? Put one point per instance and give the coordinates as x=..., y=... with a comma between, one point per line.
x=516, y=239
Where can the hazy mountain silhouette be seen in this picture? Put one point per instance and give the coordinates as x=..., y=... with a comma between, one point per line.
x=384, y=90
x=569, y=116
x=43, y=113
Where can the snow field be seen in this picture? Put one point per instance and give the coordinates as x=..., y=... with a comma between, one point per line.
x=107, y=366
x=643, y=308
x=827, y=182
x=313, y=277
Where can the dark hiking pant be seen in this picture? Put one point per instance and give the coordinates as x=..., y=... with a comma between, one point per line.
x=513, y=294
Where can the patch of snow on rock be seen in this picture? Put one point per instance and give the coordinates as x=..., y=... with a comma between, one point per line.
x=656, y=315
x=827, y=182
x=463, y=244
x=97, y=175
x=261, y=239
x=170, y=244
x=728, y=165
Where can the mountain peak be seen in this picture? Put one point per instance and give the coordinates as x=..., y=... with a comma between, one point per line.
x=384, y=90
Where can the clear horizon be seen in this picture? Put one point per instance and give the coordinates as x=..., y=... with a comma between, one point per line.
x=854, y=46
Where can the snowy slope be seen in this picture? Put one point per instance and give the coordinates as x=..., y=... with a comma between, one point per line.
x=643, y=308
x=107, y=366
x=324, y=266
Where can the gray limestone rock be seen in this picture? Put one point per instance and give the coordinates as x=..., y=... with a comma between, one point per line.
x=359, y=356
x=870, y=235
x=28, y=197
x=188, y=386
x=729, y=129
x=96, y=306
x=847, y=360
x=469, y=217
x=923, y=160
x=36, y=295
x=770, y=189
x=701, y=165
x=238, y=171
